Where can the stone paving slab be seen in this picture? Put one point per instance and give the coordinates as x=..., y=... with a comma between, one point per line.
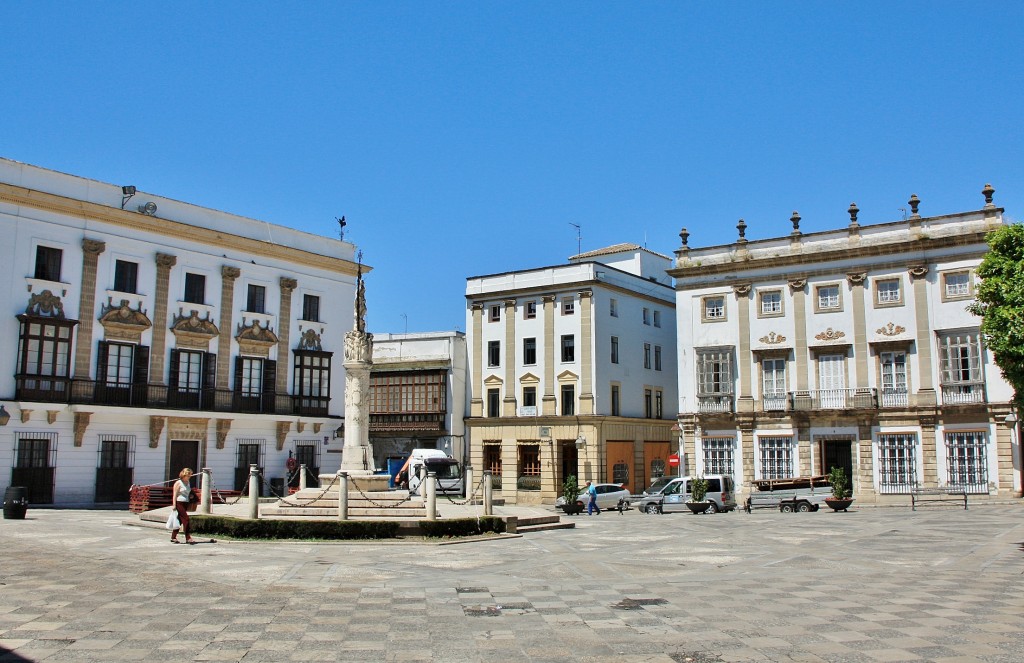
x=869, y=585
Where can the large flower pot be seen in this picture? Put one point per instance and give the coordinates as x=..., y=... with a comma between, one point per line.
x=698, y=507
x=839, y=504
x=573, y=508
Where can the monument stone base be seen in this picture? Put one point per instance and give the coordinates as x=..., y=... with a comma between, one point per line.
x=364, y=482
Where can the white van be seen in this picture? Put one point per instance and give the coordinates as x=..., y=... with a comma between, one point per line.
x=446, y=469
x=721, y=495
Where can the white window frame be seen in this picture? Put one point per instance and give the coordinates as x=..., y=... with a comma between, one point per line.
x=885, y=295
x=967, y=460
x=713, y=308
x=897, y=462
x=830, y=304
x=770, y=304
x=776, y=455
x=719, y=454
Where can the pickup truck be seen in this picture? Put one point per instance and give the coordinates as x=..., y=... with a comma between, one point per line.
x=800, y=494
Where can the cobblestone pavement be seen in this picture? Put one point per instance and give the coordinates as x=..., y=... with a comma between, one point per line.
x=871, y=585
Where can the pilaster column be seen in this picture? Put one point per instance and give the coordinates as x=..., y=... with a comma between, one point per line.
x=164, y=263
x=227, y=310
x=508, y=403
x=586, y=352
x=860, y=330
x=743, y=360
x=929, y=452
x=862, y=480
x=284, y=329
x=925, y=396
x=799, y=288
x=476, y=401
x=745, y=428
x=548, y=401
x=91, y=250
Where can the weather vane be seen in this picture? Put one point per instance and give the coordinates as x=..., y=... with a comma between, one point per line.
x=341, y=227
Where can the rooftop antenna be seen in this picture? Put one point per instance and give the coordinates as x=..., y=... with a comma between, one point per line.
x=341, y=227
x=904, y=210
x=579, y=238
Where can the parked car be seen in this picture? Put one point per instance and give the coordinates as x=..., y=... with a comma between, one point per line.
x=721, y=495
x=649, y=501
x=608, y=496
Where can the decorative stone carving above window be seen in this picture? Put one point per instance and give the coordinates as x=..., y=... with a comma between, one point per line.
x=46, y=305
x=856, y=278
x=830, y=336
x=123, y=323
x=917, y=271
x=741, y=289
x=310, y=340
x=797, y=285
x=194, y=333
x=890, y=330
x=772, y=339
x=255, y=339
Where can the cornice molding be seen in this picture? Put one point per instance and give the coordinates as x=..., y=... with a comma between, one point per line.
x=136, y=222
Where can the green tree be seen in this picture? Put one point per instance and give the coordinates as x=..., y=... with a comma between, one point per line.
x=1000, y=303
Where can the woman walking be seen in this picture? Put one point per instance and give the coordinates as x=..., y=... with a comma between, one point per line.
x=180, y=499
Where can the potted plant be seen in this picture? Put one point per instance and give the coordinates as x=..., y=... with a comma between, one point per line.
x=698, y=495
x=571, y=503
x=841, y=494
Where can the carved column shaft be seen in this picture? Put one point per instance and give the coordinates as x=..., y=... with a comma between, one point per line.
x=227, y=309
x=284, y=328
x=91, y=250
x=164, y=263
x=357, y=455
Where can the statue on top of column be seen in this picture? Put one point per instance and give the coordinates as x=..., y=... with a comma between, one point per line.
x=360, y=322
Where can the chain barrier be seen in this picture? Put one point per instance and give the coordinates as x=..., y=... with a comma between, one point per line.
x=310, y=500
x=220, y=496
x=469, y=499
x=393, y=505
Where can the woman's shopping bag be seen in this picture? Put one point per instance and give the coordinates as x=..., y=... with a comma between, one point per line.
x=172, y=521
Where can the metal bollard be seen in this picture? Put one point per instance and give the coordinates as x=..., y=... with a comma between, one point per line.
x=431, y=496
x=467, y=482
x=254, y=492
x=205, y=488
x=342, y=495
x=302, y=477
x=488, y=494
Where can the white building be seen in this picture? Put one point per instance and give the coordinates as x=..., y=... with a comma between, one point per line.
x=850, y=348
x=572, y=372
x=145, y=334
x=417, y=396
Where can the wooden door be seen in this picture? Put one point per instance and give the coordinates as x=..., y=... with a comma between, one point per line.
x=619, y=465
x=655, y=463
x=184, y=453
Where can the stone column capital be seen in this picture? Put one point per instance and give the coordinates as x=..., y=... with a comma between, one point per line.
x=741, y=289
x=166, y=260
x=585, y=294
x=93, y=246
x=856, y=278
x=797, y=284
x=230, y=273
x=547, y=298
x=477, y=306
x=917, y=271
x=288, y=284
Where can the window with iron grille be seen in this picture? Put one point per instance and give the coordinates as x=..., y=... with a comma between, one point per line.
x=718, y=454
x=776, y=457
x=714, y=372
x=249, y=452
x=897, y=462
x=657, y=468
x=114, y=467
x=126, y=276
x=967, y=460
x=35, y=465
x=620, y=473
x=529, y=467
x=492, y=458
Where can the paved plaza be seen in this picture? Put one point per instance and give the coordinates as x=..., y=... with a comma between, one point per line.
x=875, y=584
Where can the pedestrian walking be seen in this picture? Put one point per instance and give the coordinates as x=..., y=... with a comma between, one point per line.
x=592, y=504
x=179, y=500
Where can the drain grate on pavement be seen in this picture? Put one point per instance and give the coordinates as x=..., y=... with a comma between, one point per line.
x=696, y=657
x=637, y=604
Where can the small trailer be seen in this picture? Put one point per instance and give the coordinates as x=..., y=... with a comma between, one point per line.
x=794, y=494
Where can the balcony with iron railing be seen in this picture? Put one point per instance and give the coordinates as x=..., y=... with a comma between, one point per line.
x=963, y=393
x=714, y=403
x=63, y=390
x=407, y=421
x=775, y=401
x=894, y=397
x=835, y=399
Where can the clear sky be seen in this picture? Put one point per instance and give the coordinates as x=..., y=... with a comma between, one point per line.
x=463, y=138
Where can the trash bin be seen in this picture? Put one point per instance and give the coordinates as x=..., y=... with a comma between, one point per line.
x=15, y=502
x=277, y=487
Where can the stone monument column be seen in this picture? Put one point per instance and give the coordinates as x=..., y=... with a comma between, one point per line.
x=357, y=454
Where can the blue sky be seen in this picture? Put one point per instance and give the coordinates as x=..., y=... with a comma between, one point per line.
x=463, y=138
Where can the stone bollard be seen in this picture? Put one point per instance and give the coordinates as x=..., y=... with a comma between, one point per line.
x=342, y=495
x=423, y=481
x=467, y=482
x=488, y=494
x=254, y=492
x=302, y=477
x=205, y=488
x=431, y=491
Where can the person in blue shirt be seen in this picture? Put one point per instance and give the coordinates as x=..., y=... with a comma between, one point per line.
x=592, y=504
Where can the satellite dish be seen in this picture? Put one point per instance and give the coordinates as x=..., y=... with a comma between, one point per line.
x=149, y=209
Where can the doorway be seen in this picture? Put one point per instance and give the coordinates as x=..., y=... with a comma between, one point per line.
x=184, y=453
x=838, y=453
x=619, y=467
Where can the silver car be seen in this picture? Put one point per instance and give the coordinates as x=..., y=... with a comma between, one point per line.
x=650, y=500
x=608, y=496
